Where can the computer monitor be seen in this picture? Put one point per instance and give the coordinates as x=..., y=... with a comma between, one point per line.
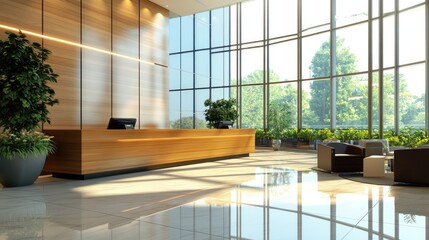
x=121, y=123
x=225, y=124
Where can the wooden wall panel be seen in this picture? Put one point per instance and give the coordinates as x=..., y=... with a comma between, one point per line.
x=96, y=66
x=154, y=39
x=62, y=21
x=154, y=96
x=22, y=14
x=94, y=85
x=125, y=38
x=154, y=78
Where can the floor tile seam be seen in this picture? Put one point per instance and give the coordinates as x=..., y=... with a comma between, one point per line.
x=184, y=195
x=205, y=180
x=95, y=211
x=361, y=220
x=220, y=187
x=179, y=228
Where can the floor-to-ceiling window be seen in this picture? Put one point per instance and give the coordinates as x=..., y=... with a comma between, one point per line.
x=332, y=63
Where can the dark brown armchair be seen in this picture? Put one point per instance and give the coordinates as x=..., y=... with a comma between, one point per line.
x=340, y=157
x=411, y=166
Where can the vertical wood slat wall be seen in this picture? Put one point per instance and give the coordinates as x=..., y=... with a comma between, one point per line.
x=93, y=86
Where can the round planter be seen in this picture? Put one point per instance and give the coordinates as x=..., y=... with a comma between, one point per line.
x=276, y=143
x=21, y=171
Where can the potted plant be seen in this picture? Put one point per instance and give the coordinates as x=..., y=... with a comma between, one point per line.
x=24, y=100
x=220, y=111
x=279, y=119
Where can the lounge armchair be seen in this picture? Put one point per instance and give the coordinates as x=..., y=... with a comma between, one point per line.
x=411, y=166
x=372, y=147
x=340, y=157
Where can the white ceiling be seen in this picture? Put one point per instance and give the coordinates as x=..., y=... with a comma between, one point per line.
x=188, y=7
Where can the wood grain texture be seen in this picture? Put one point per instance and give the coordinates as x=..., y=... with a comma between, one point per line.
x=22, y=14
x=113, y=150
x=68, y=153
x=62, y=20
x=125, y=39
x=96, y=66
x=153, y=79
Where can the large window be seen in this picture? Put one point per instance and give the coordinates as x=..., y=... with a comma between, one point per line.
x=331, y=63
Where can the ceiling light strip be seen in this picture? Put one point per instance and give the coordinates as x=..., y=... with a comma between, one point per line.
x=80, y=45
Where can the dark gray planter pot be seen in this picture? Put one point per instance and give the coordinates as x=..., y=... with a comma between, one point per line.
x=20, y=171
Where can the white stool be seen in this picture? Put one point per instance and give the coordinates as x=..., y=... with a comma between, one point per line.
x=373, y=166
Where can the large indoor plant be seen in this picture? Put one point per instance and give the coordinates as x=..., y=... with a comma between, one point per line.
x=219, y=111
x=24, y=99
x=279, y=119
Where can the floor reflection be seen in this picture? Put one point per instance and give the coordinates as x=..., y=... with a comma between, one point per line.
x=276, y=201
x=282, y=203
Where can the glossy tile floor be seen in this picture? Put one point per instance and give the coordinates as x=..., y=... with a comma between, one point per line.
x=269, y=195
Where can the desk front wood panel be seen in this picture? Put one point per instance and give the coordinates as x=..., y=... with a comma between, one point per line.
x=112, y=150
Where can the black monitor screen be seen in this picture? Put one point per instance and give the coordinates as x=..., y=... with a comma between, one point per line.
x=121, y=123
x=225, y=124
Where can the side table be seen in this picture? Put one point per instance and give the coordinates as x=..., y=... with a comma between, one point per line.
x=373, y=166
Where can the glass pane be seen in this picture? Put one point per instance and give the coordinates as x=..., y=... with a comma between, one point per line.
x=233, y=67
x=226, y=74
x=202, y=28
x=375, y=9
x=174, y=35
x=174, y=71
x=252, y=107
x=281, y=12
x=174, y=105
x=226, y=29
x=375, y=101
x=388, y=6
x=187, y=71
x=252, y=63
x=217, y=69
x=285, y=95
x=412, y=96
x=408, y=3
x=187, y=106
x=315, y=15
x=283, y=61
x=315, y=56
x=202, y=71
x=252, y=21
x=316, y=103
x=388, y=100
x=233, y=24
x=389, y=41
x=217, y=93
x=350, y=11
x=352, y=49
x=412, y=35
x=375, y=45
x=218, y=27
x=200, y=97
x=351, y=102
x=187, y=35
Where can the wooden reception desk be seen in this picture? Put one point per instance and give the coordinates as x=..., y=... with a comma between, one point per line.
x=92, y=153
